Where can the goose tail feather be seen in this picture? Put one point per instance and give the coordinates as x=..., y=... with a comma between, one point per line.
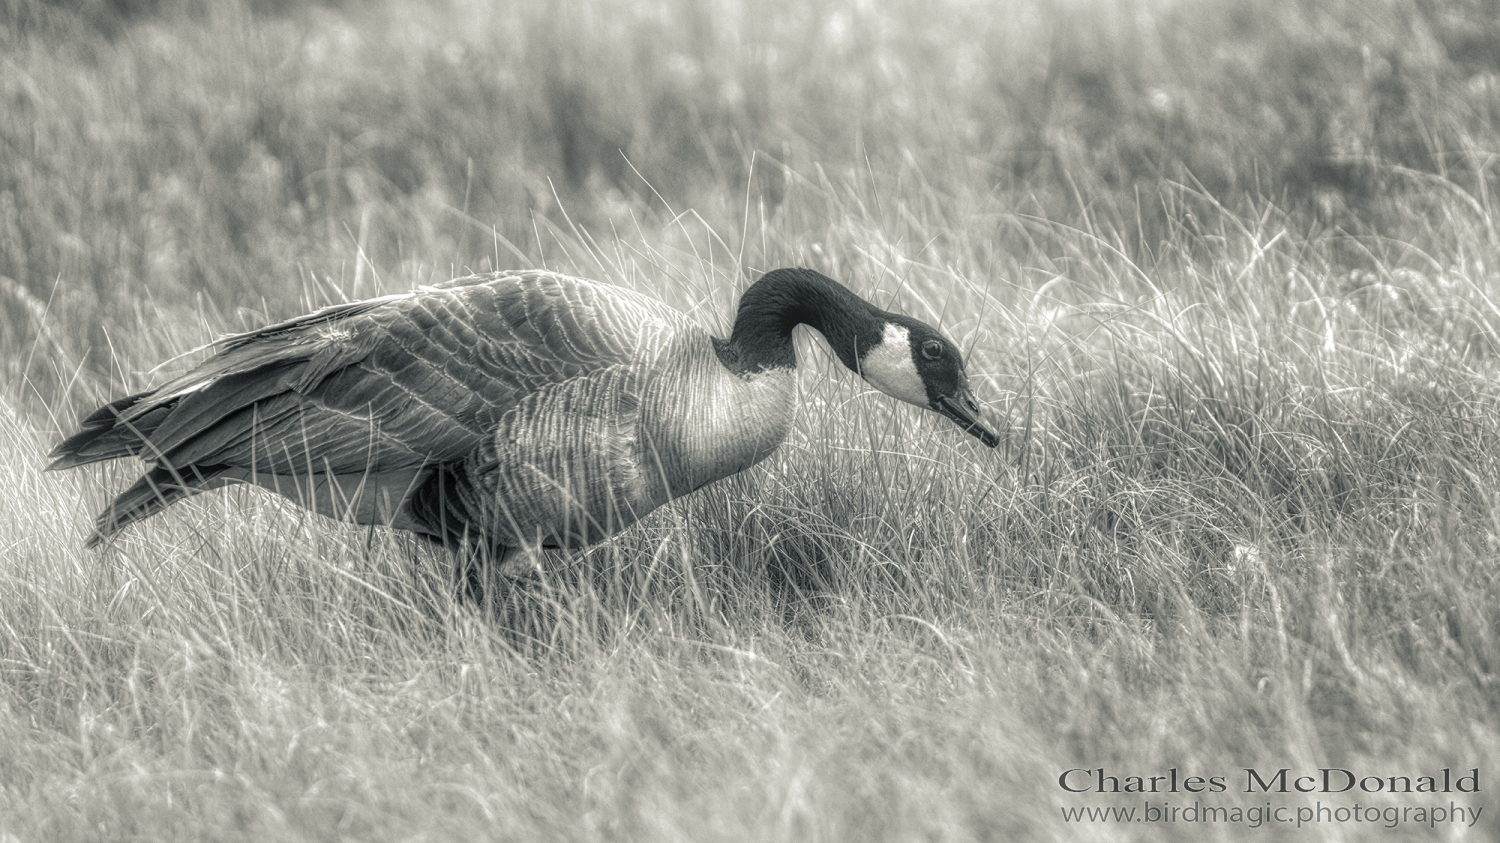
x=79, y=449
x=158, y=489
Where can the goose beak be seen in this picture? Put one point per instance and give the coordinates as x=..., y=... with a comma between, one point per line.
x=964, y=410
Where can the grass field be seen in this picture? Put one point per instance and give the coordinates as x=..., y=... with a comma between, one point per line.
x=1228, y=274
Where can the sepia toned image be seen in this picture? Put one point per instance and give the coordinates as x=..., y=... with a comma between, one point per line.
x=715, y=420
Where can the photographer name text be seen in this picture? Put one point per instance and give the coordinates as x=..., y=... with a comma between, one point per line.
x=1283, y=780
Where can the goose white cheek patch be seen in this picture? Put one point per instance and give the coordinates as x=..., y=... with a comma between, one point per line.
x=889, y=368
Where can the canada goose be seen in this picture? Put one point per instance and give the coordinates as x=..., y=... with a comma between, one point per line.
x=503, y=411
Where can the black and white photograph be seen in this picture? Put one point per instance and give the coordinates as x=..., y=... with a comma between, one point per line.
x=749, y=420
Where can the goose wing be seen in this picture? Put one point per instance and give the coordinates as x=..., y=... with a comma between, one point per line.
x=389, y=383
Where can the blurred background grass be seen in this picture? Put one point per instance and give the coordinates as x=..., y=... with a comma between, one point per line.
x=241, y=151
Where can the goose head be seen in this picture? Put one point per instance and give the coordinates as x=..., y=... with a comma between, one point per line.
x=898, y=355
x=913, y=362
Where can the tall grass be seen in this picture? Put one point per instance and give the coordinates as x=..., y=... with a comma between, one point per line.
x=1227, y=274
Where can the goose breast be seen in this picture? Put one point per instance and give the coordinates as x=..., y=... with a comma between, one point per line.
x=581, y=459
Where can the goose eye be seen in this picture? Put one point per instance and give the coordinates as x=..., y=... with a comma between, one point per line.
x=932, y=349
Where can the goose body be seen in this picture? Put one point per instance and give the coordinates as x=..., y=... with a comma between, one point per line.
x=502, y=411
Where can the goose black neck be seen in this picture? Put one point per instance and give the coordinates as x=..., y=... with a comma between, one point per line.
x=781, y=300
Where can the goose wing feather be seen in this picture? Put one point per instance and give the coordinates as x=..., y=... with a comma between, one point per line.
x=397, y=381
